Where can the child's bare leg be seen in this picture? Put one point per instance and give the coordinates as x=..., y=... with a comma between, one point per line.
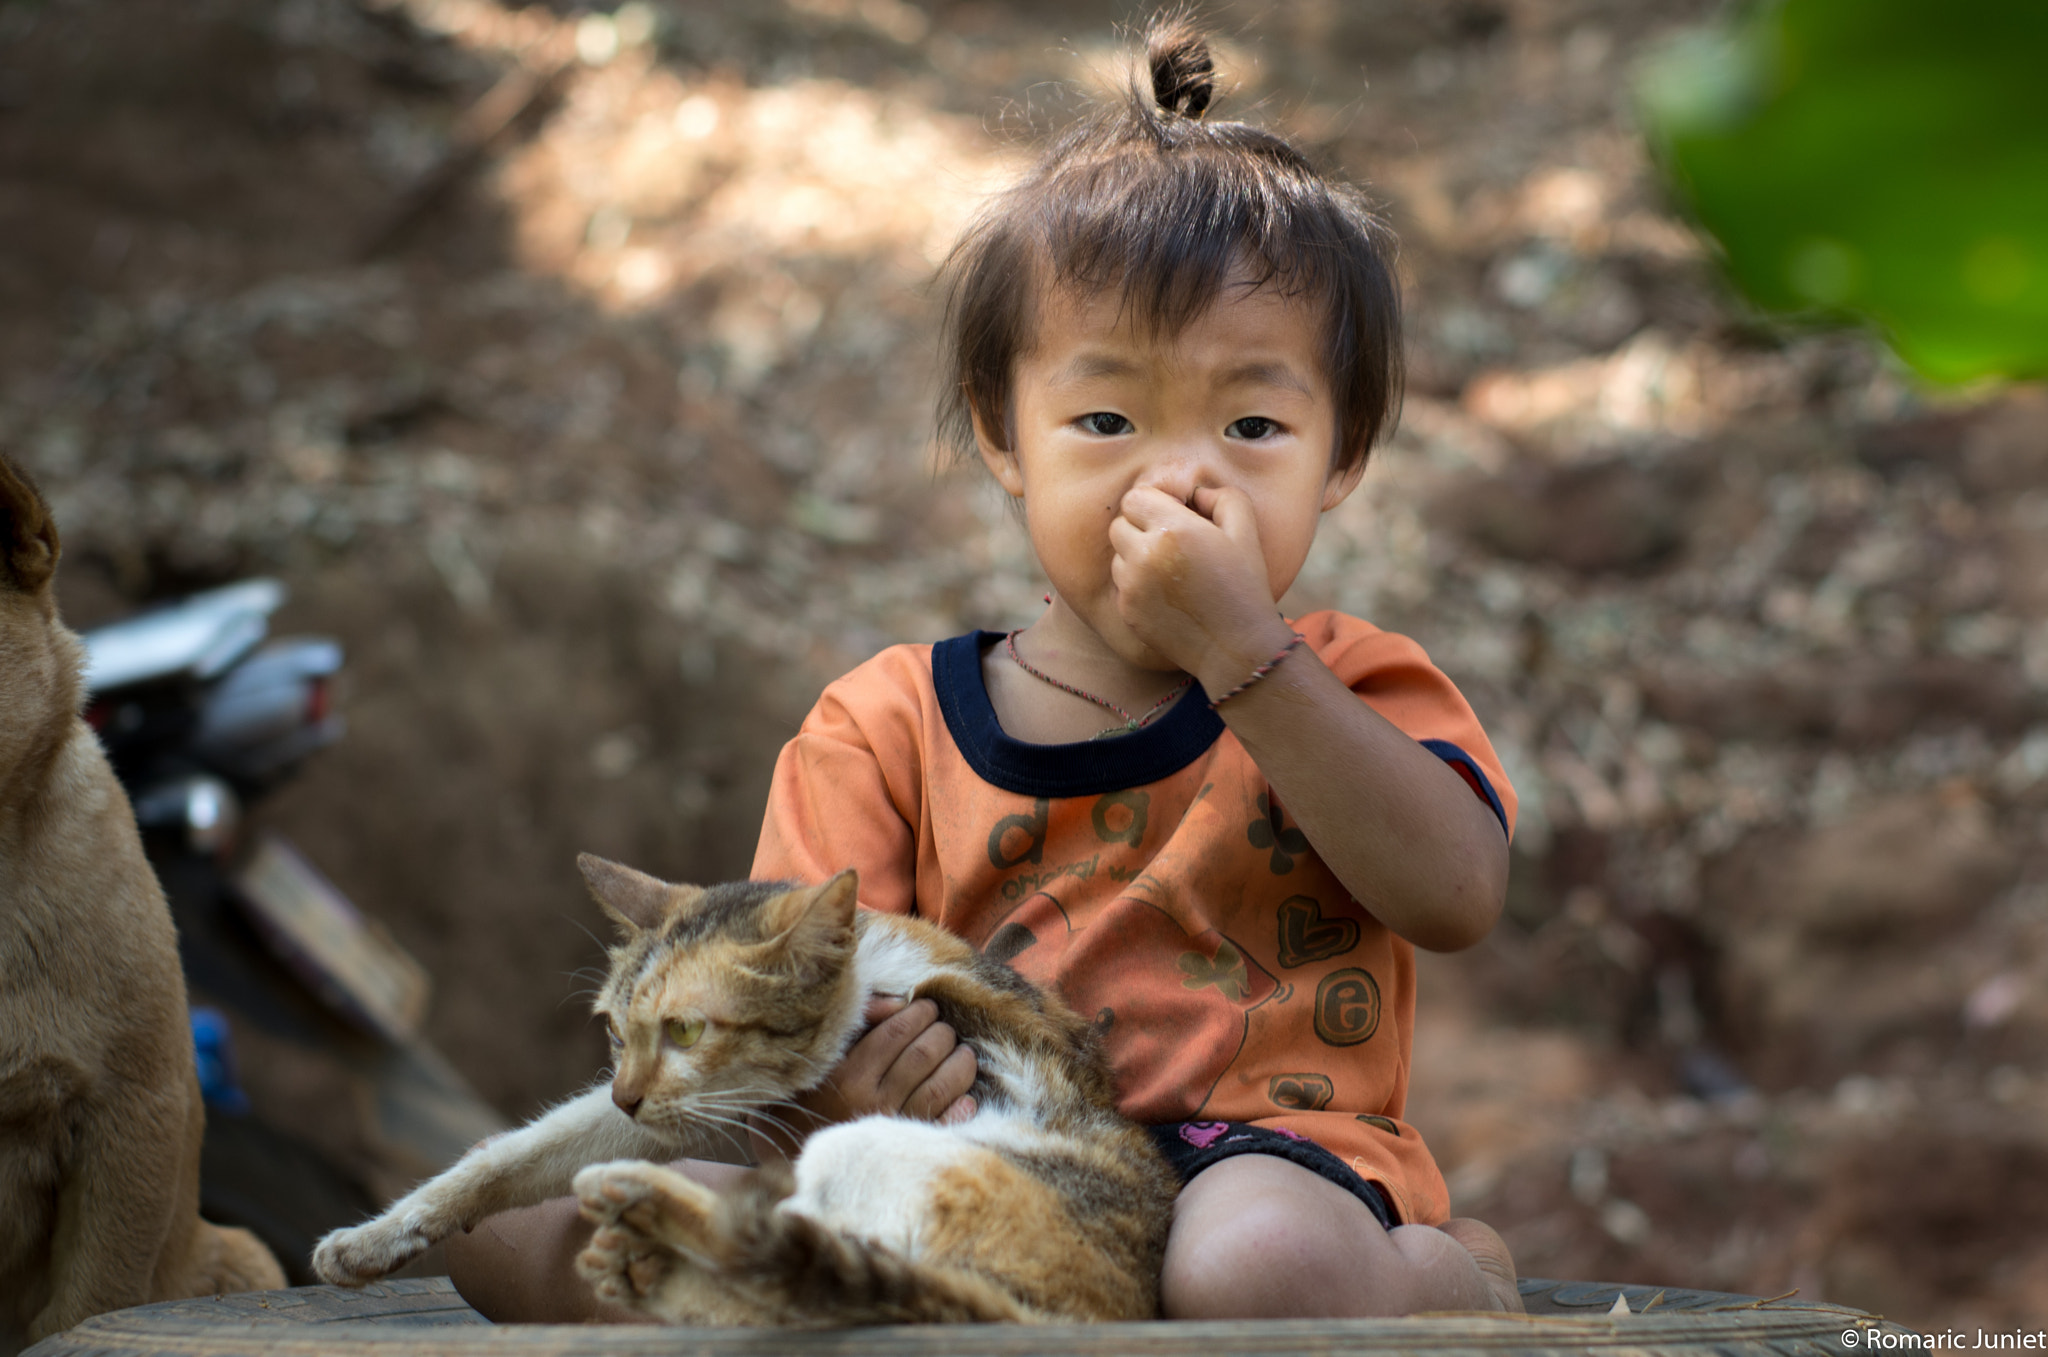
x=1490, y=1251
x=520, y=1266
x=1257, y=1237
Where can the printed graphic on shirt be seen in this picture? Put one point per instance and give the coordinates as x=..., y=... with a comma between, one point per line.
x=1347, y=1007
x=1300, y=1092
x=1172, y=1006
x=1019, y=838
x=1271, y=831
x=1225, y=969
x=1305, y=935
x=1119, y=817
x=1158, y=880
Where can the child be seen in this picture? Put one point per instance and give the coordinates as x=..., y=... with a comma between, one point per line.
x=1173, y=344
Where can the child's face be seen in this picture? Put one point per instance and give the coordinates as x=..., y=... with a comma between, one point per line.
x=1236, y=399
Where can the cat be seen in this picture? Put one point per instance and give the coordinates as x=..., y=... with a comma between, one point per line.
x=724, y=1002
x=100, y=1114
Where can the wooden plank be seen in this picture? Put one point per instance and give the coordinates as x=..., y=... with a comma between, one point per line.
x=425, y=1318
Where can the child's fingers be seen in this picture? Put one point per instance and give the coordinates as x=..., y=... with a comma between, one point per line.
x=1147, y=506
x=881, y=1007
x=1230, y=509
x=1121, y=574
x=881, y=1045
x=1126, y=538
x=920, y=1060
x=942, y=1095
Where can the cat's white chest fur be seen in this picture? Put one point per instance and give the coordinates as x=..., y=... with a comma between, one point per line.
x=873, y=1177
x=891, y=962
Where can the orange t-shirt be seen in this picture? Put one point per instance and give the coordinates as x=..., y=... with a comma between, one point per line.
x=1153, y=879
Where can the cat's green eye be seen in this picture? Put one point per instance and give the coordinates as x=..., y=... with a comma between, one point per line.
x=611, y=1034
x=685, y=1031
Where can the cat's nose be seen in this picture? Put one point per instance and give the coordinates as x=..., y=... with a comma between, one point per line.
x=628, y=1103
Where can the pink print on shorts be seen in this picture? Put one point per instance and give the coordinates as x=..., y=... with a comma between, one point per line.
x=1291, y=1135
x=1202, y=1134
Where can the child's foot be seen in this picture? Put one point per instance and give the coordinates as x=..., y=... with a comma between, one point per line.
x=1490, y=1251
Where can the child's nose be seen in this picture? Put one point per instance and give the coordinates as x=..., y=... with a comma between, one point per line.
x=1179, y=470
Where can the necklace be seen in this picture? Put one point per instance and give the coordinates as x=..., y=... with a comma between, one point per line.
x=1130, y=722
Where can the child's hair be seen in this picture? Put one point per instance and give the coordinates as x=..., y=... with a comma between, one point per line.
x=1147, y=199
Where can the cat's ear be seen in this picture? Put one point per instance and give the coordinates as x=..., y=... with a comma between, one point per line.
x=634, y=900
x=802, y=920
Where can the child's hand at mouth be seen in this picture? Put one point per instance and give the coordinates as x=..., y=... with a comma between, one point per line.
x=1192, y=584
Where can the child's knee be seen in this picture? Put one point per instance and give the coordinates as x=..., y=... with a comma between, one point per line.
x=1261, y=1266
x=1260, y=1237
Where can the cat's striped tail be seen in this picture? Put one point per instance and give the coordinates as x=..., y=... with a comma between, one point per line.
x=810, y=1274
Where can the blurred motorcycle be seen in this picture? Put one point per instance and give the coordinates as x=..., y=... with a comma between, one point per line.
x=201, y=714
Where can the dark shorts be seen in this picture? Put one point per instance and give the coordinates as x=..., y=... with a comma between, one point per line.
x=1191, y=1146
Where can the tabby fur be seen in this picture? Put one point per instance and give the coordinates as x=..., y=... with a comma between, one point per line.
x=725, y=1002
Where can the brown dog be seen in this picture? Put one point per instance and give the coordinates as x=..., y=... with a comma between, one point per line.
x=100, y=1117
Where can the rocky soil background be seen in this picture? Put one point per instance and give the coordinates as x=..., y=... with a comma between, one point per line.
x=605, y=456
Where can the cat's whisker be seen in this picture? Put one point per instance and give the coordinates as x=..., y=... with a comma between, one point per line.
x=777, y=1123
x=715, y=1117
x=704, y=1085
x=607, y=947
x=817, y=1118
x=724, y=1126
x=742, y=1114
x=749, y=1094
x=739, y=1134
x=753, y=1107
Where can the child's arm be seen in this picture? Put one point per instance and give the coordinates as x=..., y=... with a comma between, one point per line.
x=1401, y=830
x=519, y=1267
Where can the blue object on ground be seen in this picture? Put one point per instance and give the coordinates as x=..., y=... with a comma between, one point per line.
x=214, y=1055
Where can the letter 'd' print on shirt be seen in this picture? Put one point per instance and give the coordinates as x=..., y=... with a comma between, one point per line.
x=1347, y=1007
x=1019, y=838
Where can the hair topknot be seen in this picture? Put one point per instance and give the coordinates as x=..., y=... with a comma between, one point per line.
x=1147, y=200
x=1183, y=74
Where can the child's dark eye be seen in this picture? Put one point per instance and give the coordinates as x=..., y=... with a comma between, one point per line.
x=1253, y=427
x=1105, y=423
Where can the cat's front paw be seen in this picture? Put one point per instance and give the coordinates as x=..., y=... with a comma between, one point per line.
x=362, y=1253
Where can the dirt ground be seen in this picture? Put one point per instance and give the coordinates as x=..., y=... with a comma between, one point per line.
x=603, y=461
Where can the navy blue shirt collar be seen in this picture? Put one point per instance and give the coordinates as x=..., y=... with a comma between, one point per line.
x=1088, y=768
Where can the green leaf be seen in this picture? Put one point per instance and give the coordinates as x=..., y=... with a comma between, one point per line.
x=1877, y=160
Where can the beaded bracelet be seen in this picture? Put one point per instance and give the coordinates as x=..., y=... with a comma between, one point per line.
x=1268, y=667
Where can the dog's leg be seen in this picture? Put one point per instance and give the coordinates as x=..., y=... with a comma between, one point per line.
x=114, y=1210
x=199, y=1258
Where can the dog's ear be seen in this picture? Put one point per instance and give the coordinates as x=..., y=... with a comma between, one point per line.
x=28, y=535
